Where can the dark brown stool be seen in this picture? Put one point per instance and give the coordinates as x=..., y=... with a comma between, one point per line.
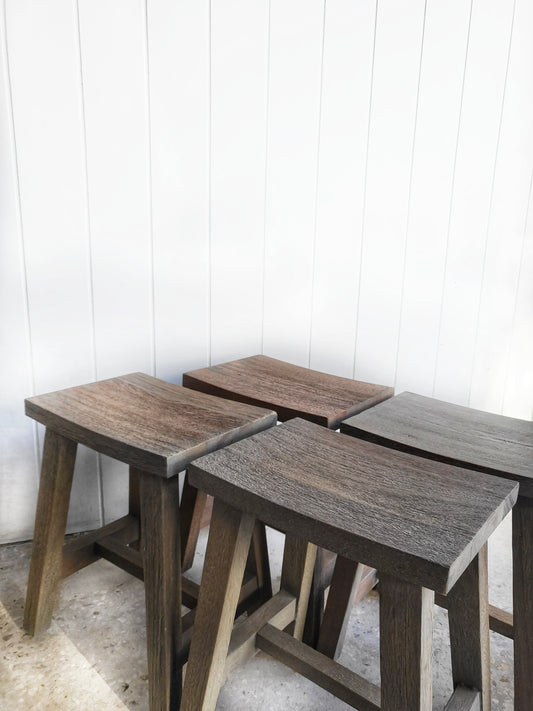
x=423, y=525
x=483, y=442
x=293, y=391
x=158, y=429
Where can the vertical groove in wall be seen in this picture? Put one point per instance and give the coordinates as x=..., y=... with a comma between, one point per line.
x=210, y=187
x=363, y=218
x=315, y=218
x=491, y=200
x=452, y=194
x=517, y=288
x=408, y=216
x=22, y=246
x=89, y=248
x=149, y=187
x=265, y=194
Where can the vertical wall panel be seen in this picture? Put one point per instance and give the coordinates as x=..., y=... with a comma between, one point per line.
x=238, y=135
x=296, y=29
x=518, y=396
x=43, y=55
x=18, y=464
x=347, y=76
x=439, y=107
x=178, y=53
x=476, y=154
x=113, y=42
x=393, y=112
x=507, y=218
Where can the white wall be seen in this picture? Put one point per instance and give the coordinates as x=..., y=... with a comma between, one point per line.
x=342, y=184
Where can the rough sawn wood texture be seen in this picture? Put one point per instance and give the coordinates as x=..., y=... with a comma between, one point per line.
x=459, y=435
x=148, y=423
x=391, y=510
x=289, y=389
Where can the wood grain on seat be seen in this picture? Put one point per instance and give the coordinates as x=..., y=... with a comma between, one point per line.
x=289, y=389
x=459, y=435
x=372, y=504
x=148, y=423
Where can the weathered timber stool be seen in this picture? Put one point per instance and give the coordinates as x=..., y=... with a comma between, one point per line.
x=293, y=391
x=484, y=442
x=158, y=429
x=423, y=525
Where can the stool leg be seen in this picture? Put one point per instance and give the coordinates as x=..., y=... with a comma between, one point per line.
x=299, y=557
x=162, y=578
x=57, y=468
x=191, y=510
x=468, y=612
x=225, y=560
x=258, y=562
x=346, y=581
x=523, y=603
x=406, y=615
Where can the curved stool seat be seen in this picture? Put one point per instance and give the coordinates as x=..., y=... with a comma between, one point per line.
x=480, y=441
x=158, y=429
x=294, y=391
x=423, y=525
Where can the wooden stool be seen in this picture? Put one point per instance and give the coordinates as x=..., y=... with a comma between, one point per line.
x=294, y=391
x=158, y=429
x=423, y=525
x=488, y=443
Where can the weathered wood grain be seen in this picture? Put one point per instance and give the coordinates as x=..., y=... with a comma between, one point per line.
x=148, y=423
x=406, y=638
x=457, y=435
x=81, y=551
x=468, y=615
x=191, y=511
x=290, y=390
x=322, y=670
x=258, y=563
x=279, y=611
x=317, y=596
x=500, y=621
x=225, y=560
x=391, y=510
x=296, y=575
x=57, y=467
x=346, y=581
x=162, y=584
x=523, y=603
x=464, y=699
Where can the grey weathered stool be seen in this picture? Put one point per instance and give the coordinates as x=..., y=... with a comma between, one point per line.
x=158, y=429
x=293, y=391
x=485, y=442
x=423, y=525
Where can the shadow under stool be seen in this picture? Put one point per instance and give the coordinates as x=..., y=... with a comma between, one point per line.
x=157, y=428
x=479, y=441
x=293, y=391
x=423, y=525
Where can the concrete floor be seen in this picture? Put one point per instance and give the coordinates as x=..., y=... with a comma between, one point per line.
x=94, y=657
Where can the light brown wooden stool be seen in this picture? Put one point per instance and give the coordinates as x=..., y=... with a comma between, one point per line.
x=294, y=391
x=423, y=525
x=484, y=442
x=158, y=429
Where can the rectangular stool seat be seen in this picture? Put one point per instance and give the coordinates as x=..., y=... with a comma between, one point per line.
x=148, y=423
x=289, y=389
x=461, y=435
x=339, y=492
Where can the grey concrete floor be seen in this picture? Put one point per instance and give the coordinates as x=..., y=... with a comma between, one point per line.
x=93, y=656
